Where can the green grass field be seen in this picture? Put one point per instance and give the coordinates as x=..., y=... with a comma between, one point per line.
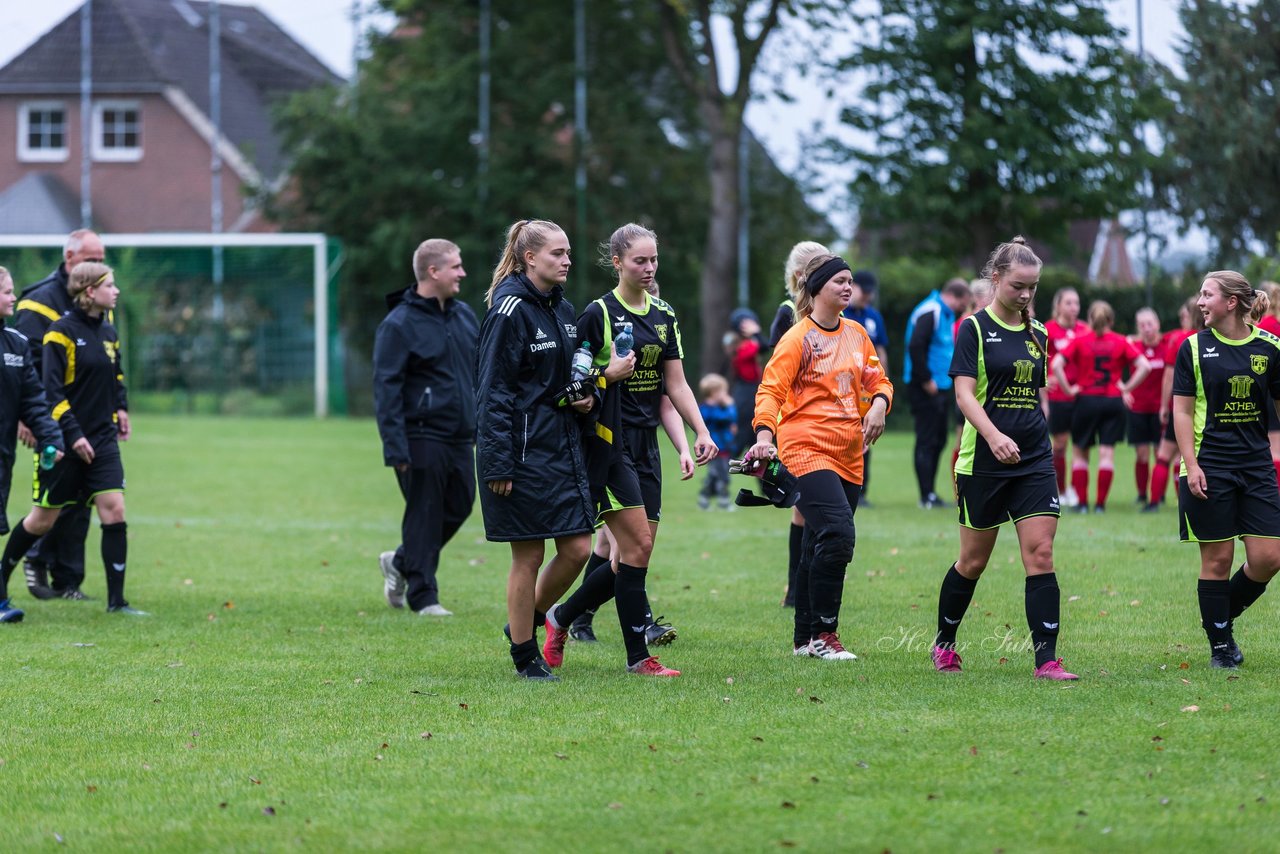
x=273, y=701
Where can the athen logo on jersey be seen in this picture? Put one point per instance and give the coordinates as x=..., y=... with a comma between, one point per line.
x=1240, y=386
x=1023, y=371
x=649, y=355
x=661, y=329
x=1259, y=363
x=1033, y=350
x=13, y=360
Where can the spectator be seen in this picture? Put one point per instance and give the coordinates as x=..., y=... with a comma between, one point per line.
x=721, y=417
x=930, y=345
x=424, y=358
x=744, y=344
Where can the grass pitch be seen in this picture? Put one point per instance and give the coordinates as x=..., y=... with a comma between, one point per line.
x=273, y=701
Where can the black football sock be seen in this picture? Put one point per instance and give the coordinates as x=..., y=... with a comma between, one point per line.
x=115, y=550
x=539, y=619
x=794, y=549
x=594, y=592
x=802, y=628
x=953, y=601
x=1215, y=612
x=523, y=654
x=593, y=563
x=1042, y=602
x=1244, y=592
x=20, y=541
x=633, y=610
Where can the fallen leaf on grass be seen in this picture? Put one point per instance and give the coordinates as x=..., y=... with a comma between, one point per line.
x=425, y=735
x=175, y=664
x=615, y=806
x=255, y=781
x=1003, y=660
x=84, y=645
x=222, y=806
x=212, y=618
x=1190, y=708
x=973, y=751
x=377, y=757
x=463, y=706
x=476, y=561
x=228, y=604
x=653, y=749
x=424, y=693
x=787, y=805
x=58, y=836
x=756, y=738
x=91, y=789
x=817, y=700
x=1157, y=738
x=1232, y=678
x=1184, y=666
x=729, y=680
x=786, y=843
x=561, y=755
x=1164, y=802
x=814, y=780
x=268, y=810
x=1073, y=598
x=931, y=797
x=1185, y=681
x=862, y=764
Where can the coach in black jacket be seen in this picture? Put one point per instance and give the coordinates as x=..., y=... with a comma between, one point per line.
x=424, y=394
x=59, y=554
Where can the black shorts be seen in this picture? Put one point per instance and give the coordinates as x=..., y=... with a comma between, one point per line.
x=1097, y=421
x=1060, y=414
x=1241, y=503
x=620, y=491
x=642, y=446
x=73, y=481
x=1168, y=433
x=1144, y=428
x=987, y=502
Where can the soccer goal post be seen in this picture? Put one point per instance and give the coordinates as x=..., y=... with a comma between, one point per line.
x=217, y=323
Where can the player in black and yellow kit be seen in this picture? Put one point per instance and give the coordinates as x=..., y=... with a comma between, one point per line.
x=1005, y=469
x=84, y=387
x=628, y=489
x=1223, y=379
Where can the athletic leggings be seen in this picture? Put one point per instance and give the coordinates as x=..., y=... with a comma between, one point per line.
x=827, y=503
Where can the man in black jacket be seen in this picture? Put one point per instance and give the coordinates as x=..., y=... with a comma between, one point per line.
x=424, y=358
x=59, y=555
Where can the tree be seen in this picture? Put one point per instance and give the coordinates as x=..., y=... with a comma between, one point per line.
x=696, y=61
x=390, y=161
x=1224, y=162
x=993, y=117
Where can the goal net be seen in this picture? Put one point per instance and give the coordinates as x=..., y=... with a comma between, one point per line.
x=240, y=324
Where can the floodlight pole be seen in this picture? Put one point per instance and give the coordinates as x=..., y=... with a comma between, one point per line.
x=215, y=156
x=86, y=114
x=580, y=120
x=744, y=214
x=1146, y=173
x=482, y=164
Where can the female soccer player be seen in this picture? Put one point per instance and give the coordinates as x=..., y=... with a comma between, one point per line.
x=528, y=451
x=1225, y=378
x=1190, y=321
x=797, y=258
x=21, y=398
x=1266, y=316
x=1144, y=413
x=809, y=400
x=1101, y=395
x=1005, y=472
x=627, y=483
x=1063, y=328
x=82, y=382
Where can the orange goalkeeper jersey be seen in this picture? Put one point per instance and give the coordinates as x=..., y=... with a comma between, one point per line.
x=809, y=397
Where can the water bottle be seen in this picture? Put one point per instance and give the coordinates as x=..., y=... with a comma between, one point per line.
x=624, y=342
x=580, y=367
x=871, y=374
x=48, y=457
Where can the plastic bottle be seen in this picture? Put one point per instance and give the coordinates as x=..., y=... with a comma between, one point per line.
x=625, y=340
x=580, y=368
x=48, y=457
x=871, y=374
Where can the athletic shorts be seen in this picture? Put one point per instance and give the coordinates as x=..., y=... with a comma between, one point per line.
x=1168, y=430
x=1060, y=413
x=642, y=446
x=987, y=502
x=73, y=481
x=1144, y=428
x=621, y=490
x=1241, y=503
x=1097, y=421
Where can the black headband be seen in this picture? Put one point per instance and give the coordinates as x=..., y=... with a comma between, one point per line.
x=824, y=274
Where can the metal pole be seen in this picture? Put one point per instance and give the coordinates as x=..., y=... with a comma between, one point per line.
x=580, y=119
x=482, y=165
x=215, y=156
x=1146, y=173
x=86, y=113
x=744, y=215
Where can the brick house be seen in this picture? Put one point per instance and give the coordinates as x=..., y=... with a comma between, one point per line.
x=149, y=117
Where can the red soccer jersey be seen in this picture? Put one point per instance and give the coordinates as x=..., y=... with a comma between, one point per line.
x=1059, y=338
x=746, y=361
x=1099, y=360
x=1146, y=397
x=1269, y=323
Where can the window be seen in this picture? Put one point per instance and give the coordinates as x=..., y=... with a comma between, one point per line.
x=42, y=131
x=117, y=130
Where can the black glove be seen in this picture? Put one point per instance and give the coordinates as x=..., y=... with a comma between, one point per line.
x=575, y=391
x=780, y=487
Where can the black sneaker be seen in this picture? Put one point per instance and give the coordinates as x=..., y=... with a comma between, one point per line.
x=537, y=669
x=127, y=609
x=581, y=631
x=659, y=633
x=1233, y=650
x=37, y=580
x=1100, y=508
x=932, y=502
x=1080, y=508
x=1153, y=507
x=1222, y=659
x=74, y=593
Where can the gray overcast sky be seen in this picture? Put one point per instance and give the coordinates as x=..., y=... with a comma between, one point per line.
x=325, y=27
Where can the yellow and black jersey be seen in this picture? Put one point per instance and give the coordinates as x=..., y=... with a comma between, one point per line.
x=1010, y=368
x=1233, y=382
x=657, y=341
x=82, y=377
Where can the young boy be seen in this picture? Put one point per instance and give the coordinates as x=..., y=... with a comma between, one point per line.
x=721, y=417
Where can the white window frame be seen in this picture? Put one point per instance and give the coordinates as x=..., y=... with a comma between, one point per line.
x=26, y=153
x=117, y=154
